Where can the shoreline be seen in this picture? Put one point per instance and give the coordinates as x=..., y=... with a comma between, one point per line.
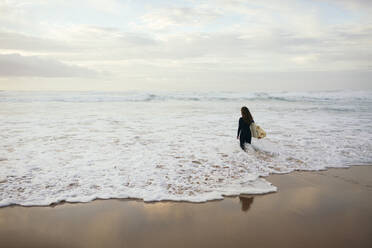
x=267, y=178
x=328, y=208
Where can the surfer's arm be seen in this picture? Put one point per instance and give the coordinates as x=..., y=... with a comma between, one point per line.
x=237, y=136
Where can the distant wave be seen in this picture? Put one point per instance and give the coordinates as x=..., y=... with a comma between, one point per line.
x=53, y=96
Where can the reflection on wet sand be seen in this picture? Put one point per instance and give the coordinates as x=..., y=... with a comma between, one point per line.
x=310, y=210
x=246, y=202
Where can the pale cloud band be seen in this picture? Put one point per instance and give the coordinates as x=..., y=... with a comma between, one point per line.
x=15, y=65
x=139, y=43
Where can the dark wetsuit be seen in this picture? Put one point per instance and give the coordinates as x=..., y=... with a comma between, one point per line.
x=244, y=132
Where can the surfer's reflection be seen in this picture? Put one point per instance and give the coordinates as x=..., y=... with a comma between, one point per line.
x=246, y=202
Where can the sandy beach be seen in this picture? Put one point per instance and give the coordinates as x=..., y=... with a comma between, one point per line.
x=140, y=124
x=311, y=209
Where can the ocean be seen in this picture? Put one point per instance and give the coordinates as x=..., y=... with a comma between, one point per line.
x=178, y=146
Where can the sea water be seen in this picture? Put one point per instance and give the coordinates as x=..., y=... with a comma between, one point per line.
x=179, y=146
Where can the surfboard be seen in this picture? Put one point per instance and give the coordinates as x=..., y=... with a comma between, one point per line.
x=257, y=131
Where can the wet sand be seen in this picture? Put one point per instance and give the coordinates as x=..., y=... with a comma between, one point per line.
x=311, y=209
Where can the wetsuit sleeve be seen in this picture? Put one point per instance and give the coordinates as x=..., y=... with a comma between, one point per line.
x=239, y=128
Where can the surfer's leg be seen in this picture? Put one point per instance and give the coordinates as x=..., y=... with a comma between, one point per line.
x=242, y=141
x=249, y=138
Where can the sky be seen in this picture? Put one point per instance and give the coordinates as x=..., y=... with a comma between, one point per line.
x=227, y=45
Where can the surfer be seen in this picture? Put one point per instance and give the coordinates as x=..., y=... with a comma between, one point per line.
x=244, y=131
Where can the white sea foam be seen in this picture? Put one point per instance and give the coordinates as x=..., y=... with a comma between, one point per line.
x=80, y=146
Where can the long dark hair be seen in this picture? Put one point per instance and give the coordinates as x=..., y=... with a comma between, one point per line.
x=247, y=117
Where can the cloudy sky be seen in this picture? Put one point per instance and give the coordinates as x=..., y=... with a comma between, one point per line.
x=185, y=45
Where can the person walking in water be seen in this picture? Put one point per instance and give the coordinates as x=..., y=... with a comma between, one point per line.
x=244, y=131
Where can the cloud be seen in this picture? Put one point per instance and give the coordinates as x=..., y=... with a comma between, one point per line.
x=164, y=18
x=174, y=39
x=101, y=36
x=22, y=42
x=359, y=5
x=15, y=65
